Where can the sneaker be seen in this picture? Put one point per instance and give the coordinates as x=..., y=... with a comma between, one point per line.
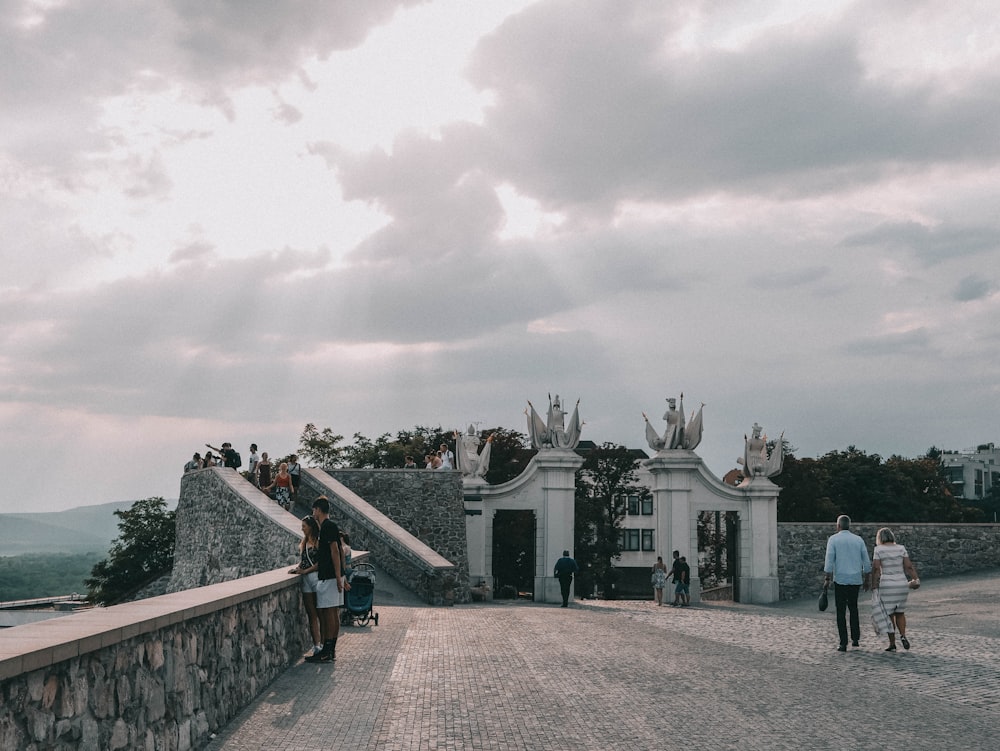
x=321, y=656
x=855, y=643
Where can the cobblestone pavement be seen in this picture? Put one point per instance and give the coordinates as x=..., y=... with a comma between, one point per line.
x=635, y=676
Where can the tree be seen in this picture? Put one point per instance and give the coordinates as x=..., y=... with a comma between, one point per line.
x=868, y=489
x=143, y=551
x=608, y=475
x=320, y=447
x=509, y=454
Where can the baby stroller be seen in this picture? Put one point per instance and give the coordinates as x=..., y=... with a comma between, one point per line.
x=358, y=599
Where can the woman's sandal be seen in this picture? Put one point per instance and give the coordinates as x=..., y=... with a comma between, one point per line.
x=906, y=642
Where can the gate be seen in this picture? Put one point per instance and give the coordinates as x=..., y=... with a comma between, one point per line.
x=513, y=554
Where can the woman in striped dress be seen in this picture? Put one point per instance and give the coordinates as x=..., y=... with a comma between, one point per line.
x=893, y=576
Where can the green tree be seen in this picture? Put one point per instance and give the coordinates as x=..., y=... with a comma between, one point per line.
x=320, y=447
x=868, y=489
x=608, y=475
x=143, y=551
x=509, y=454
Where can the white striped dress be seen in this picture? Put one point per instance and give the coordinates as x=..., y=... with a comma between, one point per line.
x=893, y=588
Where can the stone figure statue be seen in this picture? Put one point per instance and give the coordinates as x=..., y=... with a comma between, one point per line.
x=471, y=461
x=756, y=461
x=677, y=435
x=553, y=433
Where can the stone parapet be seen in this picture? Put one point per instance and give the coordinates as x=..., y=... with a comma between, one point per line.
x=412, y=522
x=163, y=673
x=228, y=529
x=935, y=549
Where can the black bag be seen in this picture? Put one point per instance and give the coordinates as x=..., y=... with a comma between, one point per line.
x=823, y=600
x=237, y=460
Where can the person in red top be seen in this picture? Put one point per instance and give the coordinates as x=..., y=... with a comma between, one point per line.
x=282, y=486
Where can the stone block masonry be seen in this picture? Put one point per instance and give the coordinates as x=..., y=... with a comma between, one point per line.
x=935, y=549
x=162, y=674
x=228, y=529
x=412, y=522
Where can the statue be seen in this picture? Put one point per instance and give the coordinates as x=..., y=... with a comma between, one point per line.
x=756, y=461
x=677, y=435
x=553, y=433
x=471, y=461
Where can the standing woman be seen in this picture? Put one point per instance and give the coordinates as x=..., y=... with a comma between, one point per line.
x=307, y=569
x=209, y=460
x=893, y=576
x=264, y=472
x=659, y=579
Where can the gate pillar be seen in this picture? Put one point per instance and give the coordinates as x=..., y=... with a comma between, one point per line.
x=556, y=519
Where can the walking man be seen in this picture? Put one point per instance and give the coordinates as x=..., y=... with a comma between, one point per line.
x=331, y=585
x=848, y=565
x=564, y=570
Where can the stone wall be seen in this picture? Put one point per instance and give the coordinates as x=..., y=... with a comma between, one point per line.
x=412, y=522
x=935, y=549
x=162, y=674
x=228, y=529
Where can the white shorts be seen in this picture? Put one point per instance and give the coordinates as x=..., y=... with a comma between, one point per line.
x=327, y=594
x=309, y=582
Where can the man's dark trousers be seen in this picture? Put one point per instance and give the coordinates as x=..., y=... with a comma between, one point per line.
x=564, y=582
x=846, y=598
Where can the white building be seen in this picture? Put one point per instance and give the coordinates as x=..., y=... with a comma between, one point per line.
x=973, y=474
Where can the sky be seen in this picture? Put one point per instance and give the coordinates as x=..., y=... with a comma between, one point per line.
x=220, y=221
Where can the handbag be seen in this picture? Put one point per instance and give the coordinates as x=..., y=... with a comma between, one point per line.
x=824, y=601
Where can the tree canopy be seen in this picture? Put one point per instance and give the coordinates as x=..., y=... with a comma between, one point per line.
x=869, y=489
x=143, y=550
x=607, y=476
x=323, y=448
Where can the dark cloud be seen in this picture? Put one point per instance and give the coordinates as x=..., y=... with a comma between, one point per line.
x=590, y=111
x=973, y=287
x=54, y=73
x=930, y=244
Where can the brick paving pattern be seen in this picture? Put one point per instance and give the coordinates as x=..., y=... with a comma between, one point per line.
x=635, y=676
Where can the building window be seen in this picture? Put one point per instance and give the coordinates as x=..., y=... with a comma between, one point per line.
x=630, y=539
x=647, y=539
x=634, y=540
x=647, y=506
x=632, y=504
x=979, y=484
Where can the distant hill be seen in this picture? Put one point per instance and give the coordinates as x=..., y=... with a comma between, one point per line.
x=85, y=529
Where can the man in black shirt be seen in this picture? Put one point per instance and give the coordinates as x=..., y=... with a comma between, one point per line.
x=331, y=586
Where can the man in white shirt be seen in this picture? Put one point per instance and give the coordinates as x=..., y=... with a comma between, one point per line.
x=849, y=566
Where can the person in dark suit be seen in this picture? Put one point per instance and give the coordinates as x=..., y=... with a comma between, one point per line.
x=564, y=570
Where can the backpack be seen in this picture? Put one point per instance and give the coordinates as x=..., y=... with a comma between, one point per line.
x=237, y=461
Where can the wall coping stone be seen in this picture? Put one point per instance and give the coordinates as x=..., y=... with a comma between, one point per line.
x=38, y=645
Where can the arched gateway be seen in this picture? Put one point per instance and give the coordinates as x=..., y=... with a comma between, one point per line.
x=516, y=531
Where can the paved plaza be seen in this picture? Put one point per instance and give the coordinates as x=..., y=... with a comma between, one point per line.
x=631, y=675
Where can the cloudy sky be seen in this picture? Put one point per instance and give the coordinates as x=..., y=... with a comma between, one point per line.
x=223, y=220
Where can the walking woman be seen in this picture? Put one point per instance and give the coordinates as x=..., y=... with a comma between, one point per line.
x=893, y=576
x=282, y=487
x=307, y=569
x=659, y=579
